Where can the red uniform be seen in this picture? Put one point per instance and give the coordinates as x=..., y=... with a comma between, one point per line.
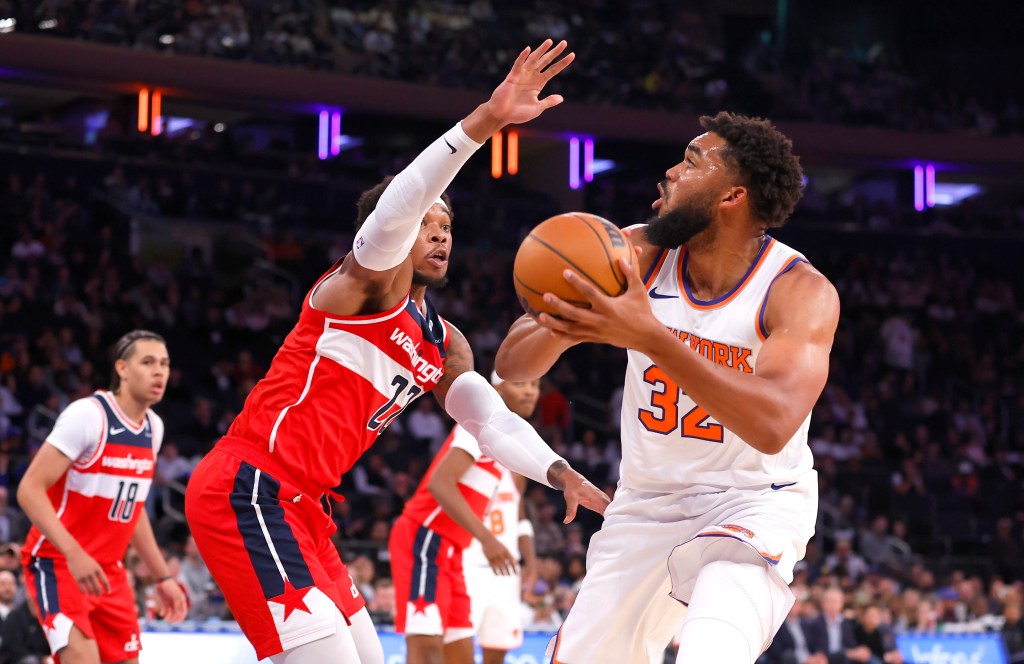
x=255, y=502
x=98, y=500
x=426, y=547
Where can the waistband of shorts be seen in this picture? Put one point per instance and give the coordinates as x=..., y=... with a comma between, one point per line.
x=248, y=452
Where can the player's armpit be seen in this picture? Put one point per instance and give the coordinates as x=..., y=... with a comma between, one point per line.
x=458, y=360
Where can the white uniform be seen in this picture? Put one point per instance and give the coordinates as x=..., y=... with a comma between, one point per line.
x=495, y=600
x=686, y=481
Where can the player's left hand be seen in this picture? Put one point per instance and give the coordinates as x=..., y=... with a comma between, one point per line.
x=579, y=491
x=172, y=603
x=517, y=98
x=625, y=321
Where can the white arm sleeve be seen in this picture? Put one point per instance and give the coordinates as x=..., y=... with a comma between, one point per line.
x=503, y=435
x=387, y=235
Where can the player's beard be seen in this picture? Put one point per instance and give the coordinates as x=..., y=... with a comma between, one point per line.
x=420, y=279
x=679, y=225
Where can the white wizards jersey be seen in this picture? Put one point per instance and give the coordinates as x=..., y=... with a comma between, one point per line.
x=669, y=443
x=501, y=518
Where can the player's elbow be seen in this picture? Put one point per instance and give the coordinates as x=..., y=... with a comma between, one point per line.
x=772, y=440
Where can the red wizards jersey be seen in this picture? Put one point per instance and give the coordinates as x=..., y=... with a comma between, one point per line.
x=335, y=385
x=477, y=486
x=100, y=497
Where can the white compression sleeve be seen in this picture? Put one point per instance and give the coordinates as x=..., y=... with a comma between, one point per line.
x=502, y=434
x=387, y=235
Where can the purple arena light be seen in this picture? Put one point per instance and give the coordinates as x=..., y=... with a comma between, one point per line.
x=325, y=136
x=574, y=163
x=919, y=188
x=588, y=160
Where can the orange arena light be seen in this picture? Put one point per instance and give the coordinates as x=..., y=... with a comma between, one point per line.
x=513, y=152
x=496, y=156
x=157, y=125
x=144, y=109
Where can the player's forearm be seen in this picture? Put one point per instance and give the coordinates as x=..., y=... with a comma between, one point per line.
x=529, y=351
x=145, y=544
x=37, y=507
x=454, y=505
x=729, y=396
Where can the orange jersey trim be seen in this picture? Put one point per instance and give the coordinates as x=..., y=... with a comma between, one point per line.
x=655, y=268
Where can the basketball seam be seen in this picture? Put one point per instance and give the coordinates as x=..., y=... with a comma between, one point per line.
x=607, y=254
x=578, y=303
x=565, y=258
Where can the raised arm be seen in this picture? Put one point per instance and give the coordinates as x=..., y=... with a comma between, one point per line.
x=376, y=274
x=503, y=435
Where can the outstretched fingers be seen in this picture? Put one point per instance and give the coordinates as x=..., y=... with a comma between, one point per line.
x=546, y=59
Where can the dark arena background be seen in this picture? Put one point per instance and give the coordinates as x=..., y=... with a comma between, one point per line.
x=191, y=168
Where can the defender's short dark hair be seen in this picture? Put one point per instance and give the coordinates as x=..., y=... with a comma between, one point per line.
x=763, y=157
x=368, y=201
x=125, y=348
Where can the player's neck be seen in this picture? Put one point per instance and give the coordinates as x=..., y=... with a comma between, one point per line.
x=419, y=296
x=715, y=266
x=135, y=410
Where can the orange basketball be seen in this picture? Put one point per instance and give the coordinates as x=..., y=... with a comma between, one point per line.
x=583, y=242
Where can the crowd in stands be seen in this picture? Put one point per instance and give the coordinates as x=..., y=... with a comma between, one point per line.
x=654, y=54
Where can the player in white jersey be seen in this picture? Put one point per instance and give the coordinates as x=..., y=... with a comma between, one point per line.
x=495, y=599
x=728, y=337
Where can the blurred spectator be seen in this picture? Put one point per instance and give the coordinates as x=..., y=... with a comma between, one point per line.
x=22, y=640
x=873, y=635
x=8, y=593
x=382, y=605
x=790, y=645
x=831, y=635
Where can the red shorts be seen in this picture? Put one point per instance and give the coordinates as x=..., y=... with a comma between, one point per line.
x=430, y=588
x=112, y=620
x=268, y=546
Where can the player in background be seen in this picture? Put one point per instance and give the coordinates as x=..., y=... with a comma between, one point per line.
x=496, y=599
x=85, y=493
x=728, y=336
x=439, y=522
x=367, y=343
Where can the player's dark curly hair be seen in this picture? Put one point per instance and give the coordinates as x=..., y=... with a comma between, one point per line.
x=764, y=158
x=368, y=201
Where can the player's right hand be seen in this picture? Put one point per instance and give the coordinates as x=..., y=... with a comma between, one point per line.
x=500, y=558
x=87, y=573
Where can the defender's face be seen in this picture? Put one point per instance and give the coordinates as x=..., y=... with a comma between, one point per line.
x=432, y=249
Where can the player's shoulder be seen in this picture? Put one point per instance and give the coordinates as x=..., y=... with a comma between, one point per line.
x=155, y=418
x=804, y=288
x=89, y=407
x=649, y=251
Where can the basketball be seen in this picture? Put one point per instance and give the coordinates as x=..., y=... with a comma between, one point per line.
x=583, y=242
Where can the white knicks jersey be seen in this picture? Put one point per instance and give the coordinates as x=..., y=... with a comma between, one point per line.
x=669, y=443
x=501, y=518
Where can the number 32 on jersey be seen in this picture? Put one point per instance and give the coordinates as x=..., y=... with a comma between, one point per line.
x=664, y=416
